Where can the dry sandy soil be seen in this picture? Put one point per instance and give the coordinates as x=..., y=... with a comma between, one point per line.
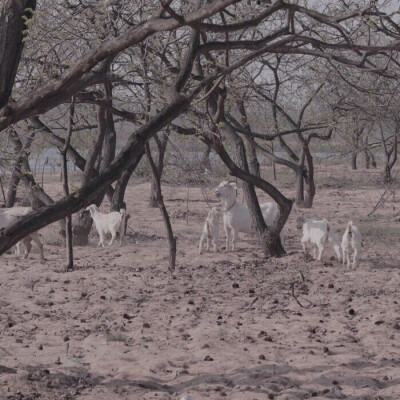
x=232, y=325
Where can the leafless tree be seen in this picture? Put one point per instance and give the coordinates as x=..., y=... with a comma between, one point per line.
x=105, y=54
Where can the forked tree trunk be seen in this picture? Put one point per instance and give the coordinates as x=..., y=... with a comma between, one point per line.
x=117, y=201
x=83, y=221
x=163, y=210
x=161, y=146
x=269, y=236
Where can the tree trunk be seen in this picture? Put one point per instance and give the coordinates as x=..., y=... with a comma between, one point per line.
x=367, y=159
x=81, y=229
x=16, y=172
x=269, y=235
x=254, y=165
x=83, y=222
x=388, y=174
x=205, y=159
x=373, y=161
x=354, y=161
x=68, y=219
x=163, y=210
x=21, y=158
x=153, y=203
x=13, y=25
x=161, y=146
x=300, y=181
x=117, y=201
x=300, y=187
x=310, y=192
x=110, y=139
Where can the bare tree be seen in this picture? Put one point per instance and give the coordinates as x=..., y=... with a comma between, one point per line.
x=276, y=28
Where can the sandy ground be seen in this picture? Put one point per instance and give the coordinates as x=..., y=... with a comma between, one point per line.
x=231, y=325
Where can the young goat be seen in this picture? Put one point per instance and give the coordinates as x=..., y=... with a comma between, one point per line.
x=237, y=216
x=108, y=223
x=211, y=230
x=351, y=242
x=318, y=233
x=11, y=215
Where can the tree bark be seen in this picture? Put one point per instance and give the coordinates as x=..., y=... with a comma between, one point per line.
x=205, y=159
x=373, y=161
x=68, y=219
x=110, y=139
x=83, y=221
x=269, y=236
x=353, y=161
x=117, y=201
x=163, y=210
x=300, y=181
x=310, y=192
x=161, y=146
x=254, y=165
x=13, y=19
x=367, y=159
x=16, y=171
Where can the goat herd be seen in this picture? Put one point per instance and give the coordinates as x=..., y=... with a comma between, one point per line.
x=236, y=218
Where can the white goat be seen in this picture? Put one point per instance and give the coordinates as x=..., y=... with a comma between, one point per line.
x=11, y=215
x=351, y=242
x=318, y=233
x=237, y=216
x=211, y=230
x=108, y=223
